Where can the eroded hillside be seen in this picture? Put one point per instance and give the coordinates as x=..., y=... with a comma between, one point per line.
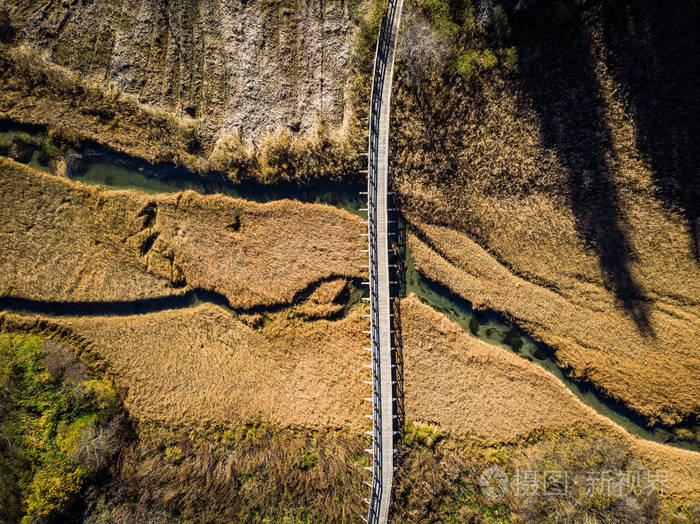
x=247, y=67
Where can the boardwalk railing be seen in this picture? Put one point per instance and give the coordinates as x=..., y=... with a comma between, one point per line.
x=384, y=391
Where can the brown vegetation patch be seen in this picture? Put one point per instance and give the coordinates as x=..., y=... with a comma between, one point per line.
x=239, y=474
x=471, y=388
x=201, y=367
x=91, y=245
x=656, y=376
x=204, y=366
x=572, y=169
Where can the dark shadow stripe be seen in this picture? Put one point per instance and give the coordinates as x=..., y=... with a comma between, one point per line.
x=156, y=304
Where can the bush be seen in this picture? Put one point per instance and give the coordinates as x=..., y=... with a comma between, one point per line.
x=57, y=358
x=468, y=41
x=56, y=434
x=440, y=16
x=421, y=49
x=306, y=461
x=174, y=454
x=4, y=143
x=284, y=158
x=426, y=434
x=508, y=58
x=278, y=158
x=471, y=60
x=366, y=36
x=581, y=458
x=232, y=157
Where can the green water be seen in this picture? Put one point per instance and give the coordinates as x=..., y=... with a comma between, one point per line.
x=492, y=328
x=115, y=177
x=119, y=172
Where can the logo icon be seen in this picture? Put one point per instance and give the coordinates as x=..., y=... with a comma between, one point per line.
x=493, y=482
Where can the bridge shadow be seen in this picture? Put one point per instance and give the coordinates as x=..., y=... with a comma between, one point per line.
x=652, y=53
x=557, y=74
x=398, y=259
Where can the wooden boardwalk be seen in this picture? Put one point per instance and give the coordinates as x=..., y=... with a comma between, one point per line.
x=383, y=390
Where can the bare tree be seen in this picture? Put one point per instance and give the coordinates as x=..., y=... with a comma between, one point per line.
x=421, y=49
x=98, y=444
x=485, y=13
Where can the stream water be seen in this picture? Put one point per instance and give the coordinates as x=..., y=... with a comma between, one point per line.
x=104, y=167
x=117, y=171
x=495, y=329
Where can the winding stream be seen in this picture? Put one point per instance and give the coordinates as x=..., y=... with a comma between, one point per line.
x=107, y=168
x=495, y=329
x=117, y=171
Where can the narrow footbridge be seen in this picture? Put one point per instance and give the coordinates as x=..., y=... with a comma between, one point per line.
x=384, y=389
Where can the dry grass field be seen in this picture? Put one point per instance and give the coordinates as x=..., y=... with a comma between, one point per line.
x=546, y=163
x=294, y=367
x=561, y=189
x=470, y=389
x=656, y=376
x=90, y=245
x=205, y=366
x=202, y=368
x=287, y=356
x=473, y=389
x=232, y=66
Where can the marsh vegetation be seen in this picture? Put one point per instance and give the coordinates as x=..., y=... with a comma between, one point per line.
x=543, y=155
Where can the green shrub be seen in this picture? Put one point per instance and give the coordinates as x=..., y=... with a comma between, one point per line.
x=366, y=36
x=438, y=12
x=283, y=157
x=425, y=434
x=469, y=61
x=57, y=434
x=360, y=461
x=508, y=58
x=476, y=35
x=174, y=454
x=50, y=149
x=306, y=461
x=574, y=459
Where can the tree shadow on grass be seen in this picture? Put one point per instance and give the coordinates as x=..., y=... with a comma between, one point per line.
x=557, y=74
x=653, y=56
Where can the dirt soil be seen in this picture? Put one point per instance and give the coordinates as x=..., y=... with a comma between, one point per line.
x=245, y=67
